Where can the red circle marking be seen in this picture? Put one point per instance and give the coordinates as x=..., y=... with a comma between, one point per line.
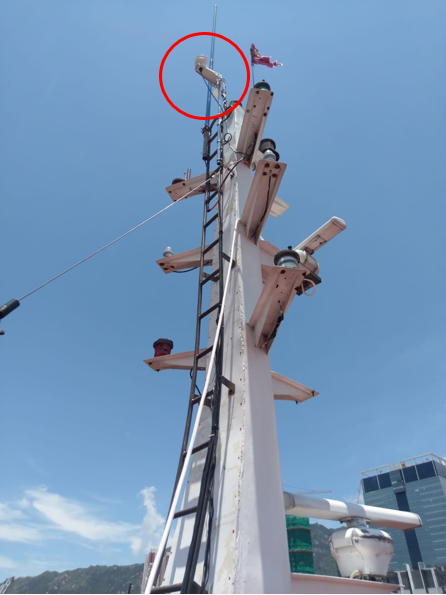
x=199, y=117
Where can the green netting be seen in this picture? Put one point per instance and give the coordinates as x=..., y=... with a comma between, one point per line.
x=302, y=562
x=297, y=521
x=299, y=544
x=299, y=539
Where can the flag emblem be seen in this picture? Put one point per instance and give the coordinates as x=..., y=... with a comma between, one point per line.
x=257, y=58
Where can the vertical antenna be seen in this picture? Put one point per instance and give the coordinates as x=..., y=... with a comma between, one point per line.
x=211, y=63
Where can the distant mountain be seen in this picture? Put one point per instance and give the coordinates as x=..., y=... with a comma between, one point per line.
x=94, y=579
x=324, y=562
x=116, y=579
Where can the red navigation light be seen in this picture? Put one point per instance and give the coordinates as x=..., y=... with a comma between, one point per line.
x=163, y=347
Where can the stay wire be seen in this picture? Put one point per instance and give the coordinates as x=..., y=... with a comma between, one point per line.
x=111, y=243
x=212, y=94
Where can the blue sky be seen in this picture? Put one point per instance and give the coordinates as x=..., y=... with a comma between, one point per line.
x=90, y=436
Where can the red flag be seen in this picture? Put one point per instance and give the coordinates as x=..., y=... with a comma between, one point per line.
x=257, y=58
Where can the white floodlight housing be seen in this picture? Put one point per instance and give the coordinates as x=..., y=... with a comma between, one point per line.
x=323, y=235
x=212, y=77
x=201, y=60
x=308, y=262
x=335, y=510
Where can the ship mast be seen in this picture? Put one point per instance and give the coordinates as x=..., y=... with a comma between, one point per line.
x=230, y=534
x=248, y=549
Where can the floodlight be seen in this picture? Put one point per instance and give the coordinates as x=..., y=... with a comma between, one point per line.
x=201, y=66
x=322, y=235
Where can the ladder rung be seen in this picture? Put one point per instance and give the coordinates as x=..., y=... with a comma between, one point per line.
x=212, y=277
x=209, y=310
x=229, y=385
x=197, y=398
x=226, y=257
x=211, y=140
x=208, y=248
x=185, y=512
x=176, y=588
x=211, y=197
x=211, y=220
x=200, y=447
x=213, y=155
x=204, y=352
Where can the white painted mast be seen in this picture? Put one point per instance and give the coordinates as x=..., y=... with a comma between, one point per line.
x=249, y=552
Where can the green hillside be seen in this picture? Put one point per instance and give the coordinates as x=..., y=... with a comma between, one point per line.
x=116, y=579
x=95, y=579
x=324, y=562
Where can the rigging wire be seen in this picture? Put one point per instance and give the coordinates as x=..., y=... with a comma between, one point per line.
x=212, y=94
x=111, y=243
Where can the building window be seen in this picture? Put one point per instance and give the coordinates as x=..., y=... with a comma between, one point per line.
x=426, y=470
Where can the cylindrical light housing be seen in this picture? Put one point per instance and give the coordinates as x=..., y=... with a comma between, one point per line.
x=268, y=147
x=287, y=258
x=163, y=347
x=263, y=85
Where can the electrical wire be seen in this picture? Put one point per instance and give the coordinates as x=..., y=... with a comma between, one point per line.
x=207, y=553
x=279, y=321
x=266, y=208
x=196, y=387
x=113, y=242
x=305, y=289
x=224, y=179
x=185, y=271
x=228, y=142
x=188, y=456
x=234, y=163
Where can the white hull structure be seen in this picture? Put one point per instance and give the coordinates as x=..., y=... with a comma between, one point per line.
x=249, y=552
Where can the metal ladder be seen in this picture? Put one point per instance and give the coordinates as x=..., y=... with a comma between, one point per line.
x=205, y=500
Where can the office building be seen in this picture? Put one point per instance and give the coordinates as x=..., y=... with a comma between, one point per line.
x=417, y=485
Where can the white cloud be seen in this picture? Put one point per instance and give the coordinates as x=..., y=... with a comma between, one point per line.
x=152, y=525
x=43, y=515
x=19, y=532
x=73, y=517
x=6, y=562
x=105, y=499
x=7, y=513
x=23, y=503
